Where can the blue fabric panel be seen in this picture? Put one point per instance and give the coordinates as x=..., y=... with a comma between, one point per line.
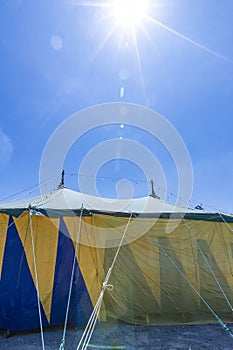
x=80, y=304
x=18, y=297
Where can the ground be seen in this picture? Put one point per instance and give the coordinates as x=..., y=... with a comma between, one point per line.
x=122, y=336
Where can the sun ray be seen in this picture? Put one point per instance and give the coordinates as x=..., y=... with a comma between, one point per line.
x=122, y=37
x=104, y=42
x=187, y=39
x=146, y=34
x=139, y=63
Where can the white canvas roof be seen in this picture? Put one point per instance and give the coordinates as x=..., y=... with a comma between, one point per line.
x=65, y=199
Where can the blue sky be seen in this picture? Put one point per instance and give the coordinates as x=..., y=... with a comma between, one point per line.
x=53, y=65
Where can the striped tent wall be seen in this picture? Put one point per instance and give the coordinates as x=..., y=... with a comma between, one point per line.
x=54, y=252
x=159, y=276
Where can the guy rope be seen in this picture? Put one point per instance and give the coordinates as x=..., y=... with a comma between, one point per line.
x=85, y=339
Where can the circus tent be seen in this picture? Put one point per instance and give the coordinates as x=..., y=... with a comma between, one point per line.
x=175, y=264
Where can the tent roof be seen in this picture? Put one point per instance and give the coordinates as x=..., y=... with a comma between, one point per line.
x=64, y=201
x=64, y=198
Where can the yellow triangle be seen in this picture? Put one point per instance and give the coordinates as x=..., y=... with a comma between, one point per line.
x=45, y=234
x=4, y=219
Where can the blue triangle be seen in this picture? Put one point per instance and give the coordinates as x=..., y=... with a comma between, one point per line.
x=18, y=297
x=80, y=303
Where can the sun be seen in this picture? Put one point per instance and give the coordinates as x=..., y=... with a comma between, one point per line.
x=130, y=13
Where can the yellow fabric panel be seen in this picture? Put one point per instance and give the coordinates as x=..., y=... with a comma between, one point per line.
x=156, y=266
x=148, y=264
x=182, y=246
x=130, y=282
x=108, y=231
x=45, y=234
x=105, y=231
x=216, y=241
x=183, y=256
x=148, y=276
x=89, y=258
x=4, y=219
x=131, y=299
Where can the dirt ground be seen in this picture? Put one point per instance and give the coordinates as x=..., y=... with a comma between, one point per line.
x=123, y=336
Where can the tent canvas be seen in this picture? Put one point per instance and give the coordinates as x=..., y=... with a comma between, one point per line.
x=174, y=263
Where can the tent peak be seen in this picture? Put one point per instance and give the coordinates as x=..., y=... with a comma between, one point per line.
x=62, y=183
x=153, y=194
